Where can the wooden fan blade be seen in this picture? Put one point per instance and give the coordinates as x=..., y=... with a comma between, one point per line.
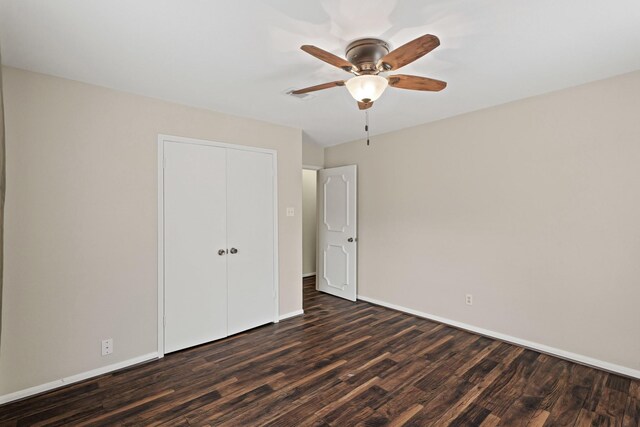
x=318, y=87
x=409, y=52
x=365, y=105
x=327, y=57
x=403, y=81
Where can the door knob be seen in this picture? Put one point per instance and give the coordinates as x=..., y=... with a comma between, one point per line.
x=221, y=252
x=233, y=251
x=350, y=239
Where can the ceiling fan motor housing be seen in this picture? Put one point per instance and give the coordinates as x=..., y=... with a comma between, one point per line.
x=365, y=54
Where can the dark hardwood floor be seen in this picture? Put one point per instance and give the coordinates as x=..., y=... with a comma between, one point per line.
x=344, y=364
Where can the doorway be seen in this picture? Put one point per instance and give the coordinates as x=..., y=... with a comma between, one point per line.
x=309, y=222
x=309, y=230
x=329, y=222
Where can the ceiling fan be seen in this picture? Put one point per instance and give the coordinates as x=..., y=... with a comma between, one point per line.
x=367, y=58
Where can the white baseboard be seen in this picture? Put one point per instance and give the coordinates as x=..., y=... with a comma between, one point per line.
x=573, y=357
x=578, y=358
x=308, y=275
x=290, y=315
x=21, y=394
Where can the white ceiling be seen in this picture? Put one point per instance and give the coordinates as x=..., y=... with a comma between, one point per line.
x=241, y=56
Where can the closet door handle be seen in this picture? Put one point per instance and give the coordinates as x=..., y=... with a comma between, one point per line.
x=233, y=251
x=221, y=252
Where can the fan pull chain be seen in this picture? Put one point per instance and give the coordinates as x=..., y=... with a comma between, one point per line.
x=366, y=125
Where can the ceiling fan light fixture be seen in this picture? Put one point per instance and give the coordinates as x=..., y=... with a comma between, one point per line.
x=369, y=56
x=366, y=88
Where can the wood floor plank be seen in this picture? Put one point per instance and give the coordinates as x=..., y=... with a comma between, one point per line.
x=406, y=416
x=343, y=364
x=632, y=412
x=490, y=421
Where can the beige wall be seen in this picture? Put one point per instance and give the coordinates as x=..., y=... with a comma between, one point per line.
x=312, y=153
x=81, y=226
x=308, y=221
x=533, y=207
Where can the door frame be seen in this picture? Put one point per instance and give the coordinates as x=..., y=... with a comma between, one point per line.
x=184, y=140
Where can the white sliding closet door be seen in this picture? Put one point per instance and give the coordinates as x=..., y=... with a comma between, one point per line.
x=195, y=229
x=250, y=232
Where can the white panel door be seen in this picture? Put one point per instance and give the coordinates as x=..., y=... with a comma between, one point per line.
x=337, y=228
x=250, y=237
x=195, y=277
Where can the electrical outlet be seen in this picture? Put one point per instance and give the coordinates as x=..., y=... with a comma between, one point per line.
x=290, y=211
x=469, y=299
x=107, y=346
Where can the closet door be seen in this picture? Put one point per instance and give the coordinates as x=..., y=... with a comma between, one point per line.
x=250, y=238
x=194, y=231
